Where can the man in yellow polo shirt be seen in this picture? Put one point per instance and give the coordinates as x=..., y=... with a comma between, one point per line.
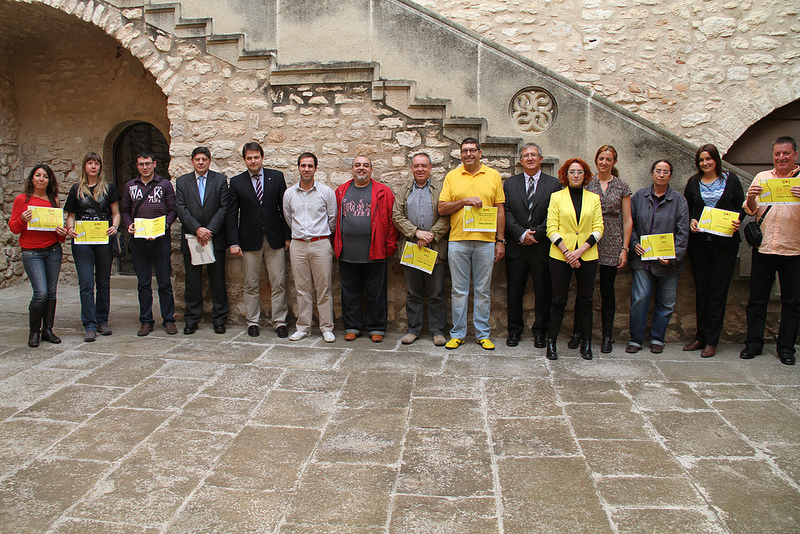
x=475, y=243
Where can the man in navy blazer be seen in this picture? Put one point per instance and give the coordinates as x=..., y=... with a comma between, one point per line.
x=257, y=231
x=527, y=247
x=201, y=198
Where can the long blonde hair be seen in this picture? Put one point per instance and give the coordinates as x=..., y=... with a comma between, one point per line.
x=101, y=189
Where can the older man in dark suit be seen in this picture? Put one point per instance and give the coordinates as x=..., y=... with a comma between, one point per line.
x=257, y=231
x=527, y=248
x=201, y=198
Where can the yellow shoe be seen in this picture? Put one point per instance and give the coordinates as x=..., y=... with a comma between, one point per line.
x=454, y=343
x=486, y=343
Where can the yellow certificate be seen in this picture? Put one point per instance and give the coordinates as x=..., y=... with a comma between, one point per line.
x=91, y=233
x=480, y=219
x=778, y=191
x=150, y=228
x=717, y=222
x=658, y=246
x=423, y=258
x=47, y=219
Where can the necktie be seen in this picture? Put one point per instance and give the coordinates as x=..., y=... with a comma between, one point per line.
x=201, y=188
x=259, y=189
x=531, y=192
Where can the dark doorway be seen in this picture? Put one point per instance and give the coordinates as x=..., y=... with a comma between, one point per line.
x=137, y=138
x=752, y=152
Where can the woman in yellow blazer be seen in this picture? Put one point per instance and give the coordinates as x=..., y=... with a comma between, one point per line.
x=574, y=249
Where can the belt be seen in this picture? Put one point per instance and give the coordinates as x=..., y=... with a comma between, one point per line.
x=312, y=239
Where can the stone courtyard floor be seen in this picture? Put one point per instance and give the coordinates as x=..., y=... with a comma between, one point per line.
x=228, y=434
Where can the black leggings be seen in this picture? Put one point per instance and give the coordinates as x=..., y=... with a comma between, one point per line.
x=608, y=301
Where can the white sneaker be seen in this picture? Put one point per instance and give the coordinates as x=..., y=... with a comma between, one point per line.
x=328, y=337
x=298, y=335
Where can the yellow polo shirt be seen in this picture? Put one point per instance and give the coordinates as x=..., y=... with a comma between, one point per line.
x=459, y=183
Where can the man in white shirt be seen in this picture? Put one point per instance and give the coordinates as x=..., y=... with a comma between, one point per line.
x=310, y=211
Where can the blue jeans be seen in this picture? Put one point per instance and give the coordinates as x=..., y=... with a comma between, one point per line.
x=477, y=258
x=666, y=289
x=149, y=256
x=93, y=264
x=43, y=266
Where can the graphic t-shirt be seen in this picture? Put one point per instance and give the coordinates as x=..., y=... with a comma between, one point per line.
x=356, y=223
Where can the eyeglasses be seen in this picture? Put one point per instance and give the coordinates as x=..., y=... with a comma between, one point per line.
x=661, y=172
x=146, y=164
x=469, y=150
x=576, y=173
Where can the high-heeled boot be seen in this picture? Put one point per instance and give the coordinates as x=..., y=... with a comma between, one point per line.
x=586, y=349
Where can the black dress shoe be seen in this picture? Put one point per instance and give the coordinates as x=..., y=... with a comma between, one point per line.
x=605, y=346
x=512, y=340
x=586, y=349
x=748, y=353
x=552, y=352
x=190, y=328
x=282, y=331
x=219, y=328
x=252, y=330
x=574, y=341
x=787, y=358
x=539, y=341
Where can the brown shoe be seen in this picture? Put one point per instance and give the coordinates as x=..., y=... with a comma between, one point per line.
x=377, y=338
x=439, y=340
x=709, y=351
x=350, y=336
x=694, y=345
x=409, y=338
x=145, y=329
x=655, y=348
x=171, y=329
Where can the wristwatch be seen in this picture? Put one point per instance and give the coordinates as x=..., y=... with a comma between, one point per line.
x=503, y=241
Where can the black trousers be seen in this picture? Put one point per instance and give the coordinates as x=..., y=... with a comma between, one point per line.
x=762, y=276
x=193, y=292
x=358, y=279
x=561, y=273
x=534, y=264
x=608, y=301
x=712, y=267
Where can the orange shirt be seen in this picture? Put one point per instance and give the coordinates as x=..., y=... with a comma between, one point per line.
x=781, y=226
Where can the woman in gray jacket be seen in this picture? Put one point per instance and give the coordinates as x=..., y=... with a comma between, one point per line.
x=657, y=209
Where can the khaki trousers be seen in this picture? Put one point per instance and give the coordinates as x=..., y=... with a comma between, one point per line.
x=275, y=262
x=311, y=268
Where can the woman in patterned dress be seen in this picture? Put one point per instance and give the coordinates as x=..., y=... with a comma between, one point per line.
x=712, y=257
x=615, y=199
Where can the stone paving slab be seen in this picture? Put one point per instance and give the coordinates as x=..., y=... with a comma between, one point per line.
x=232, y=434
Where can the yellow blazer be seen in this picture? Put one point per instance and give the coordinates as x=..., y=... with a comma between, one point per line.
x=562, y=223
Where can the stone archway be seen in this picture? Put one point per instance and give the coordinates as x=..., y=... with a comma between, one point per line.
x=62, y=90
x=752, y=151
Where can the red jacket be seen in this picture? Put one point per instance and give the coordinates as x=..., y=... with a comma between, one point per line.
x=383, y=241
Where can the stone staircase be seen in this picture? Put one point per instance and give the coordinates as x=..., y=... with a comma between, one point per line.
x=412, y=56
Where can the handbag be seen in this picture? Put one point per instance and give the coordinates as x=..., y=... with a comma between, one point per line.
x=752, y=230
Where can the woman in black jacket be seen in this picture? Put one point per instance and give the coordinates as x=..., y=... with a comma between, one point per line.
x=712, y=256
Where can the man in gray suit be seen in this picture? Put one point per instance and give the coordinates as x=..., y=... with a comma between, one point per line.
x=201, y=199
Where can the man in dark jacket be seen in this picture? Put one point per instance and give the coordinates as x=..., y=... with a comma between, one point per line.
x=201, y=198
x=257, y=231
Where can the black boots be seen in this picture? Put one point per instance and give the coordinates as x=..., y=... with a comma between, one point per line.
x=35, y=314
x=586, y=349
x=48, y=320
x=608, y=330
x=574, y=340
x=552, y=353
x=605, y=346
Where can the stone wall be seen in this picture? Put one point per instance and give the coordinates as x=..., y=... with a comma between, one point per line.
x=10, y=257
x=678, y=63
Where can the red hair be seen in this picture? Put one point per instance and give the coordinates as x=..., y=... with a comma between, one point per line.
x=562, y=172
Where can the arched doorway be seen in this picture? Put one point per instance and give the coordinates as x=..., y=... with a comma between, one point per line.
x=752, y=152
x=135, y=139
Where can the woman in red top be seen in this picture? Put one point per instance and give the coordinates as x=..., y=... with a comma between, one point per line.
x=41, y=251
